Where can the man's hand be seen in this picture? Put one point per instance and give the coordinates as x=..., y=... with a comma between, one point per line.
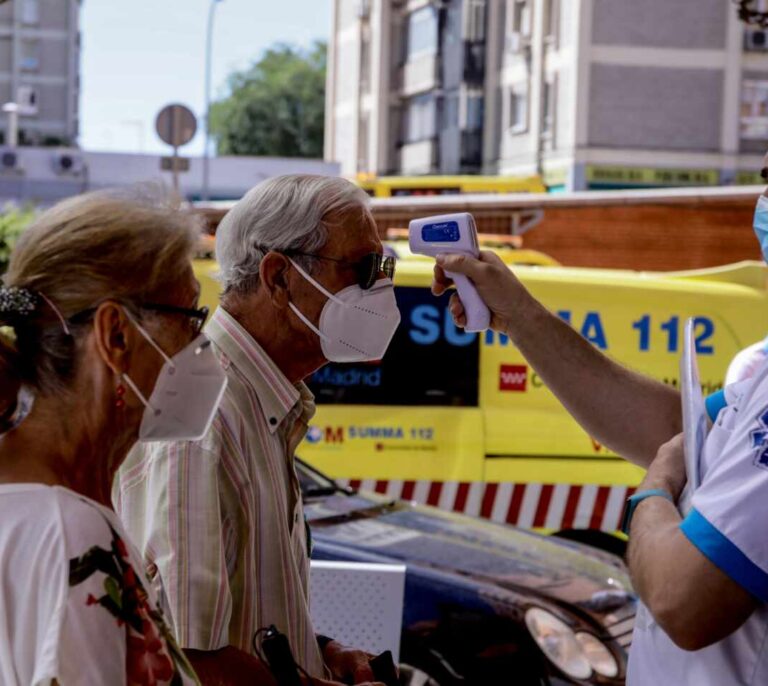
x=229, y=666
x=348, y=665
x=627, y=412
x=496, y=284
x=667, y=471
x=689, y=597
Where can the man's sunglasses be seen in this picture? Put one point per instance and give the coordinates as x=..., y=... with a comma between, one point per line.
x=367, y=268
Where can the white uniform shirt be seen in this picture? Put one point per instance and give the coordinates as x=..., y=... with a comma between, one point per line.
x=747, y=362
x=75, y=605
x=730, y=509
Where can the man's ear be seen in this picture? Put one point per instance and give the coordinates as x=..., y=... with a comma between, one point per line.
x=273, y=275
x=113, y=334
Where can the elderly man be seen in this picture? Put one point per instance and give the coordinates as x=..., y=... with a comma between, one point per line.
x=220, y=520
x=702, y=578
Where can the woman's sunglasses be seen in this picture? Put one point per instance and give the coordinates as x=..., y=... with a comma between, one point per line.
x=197, y=316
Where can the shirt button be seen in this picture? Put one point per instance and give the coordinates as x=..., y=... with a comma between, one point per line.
x=273, y=420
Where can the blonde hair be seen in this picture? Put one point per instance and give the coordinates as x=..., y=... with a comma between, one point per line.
x=127, y=246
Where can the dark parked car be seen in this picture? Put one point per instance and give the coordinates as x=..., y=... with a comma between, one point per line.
x=485, y=603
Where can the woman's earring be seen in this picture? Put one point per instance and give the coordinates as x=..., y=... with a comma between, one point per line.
x=120, y=392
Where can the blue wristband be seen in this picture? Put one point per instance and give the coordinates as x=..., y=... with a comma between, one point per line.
x=634, y=500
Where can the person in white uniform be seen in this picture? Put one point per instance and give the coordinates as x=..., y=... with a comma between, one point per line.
x=101, y=330
x=702, y=579
x=747, y=362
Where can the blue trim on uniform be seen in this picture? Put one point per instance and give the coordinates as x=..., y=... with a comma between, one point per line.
x=714, y=403
x=725, y=555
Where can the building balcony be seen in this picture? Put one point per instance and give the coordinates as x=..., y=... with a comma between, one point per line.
x=420, y=75
x=419, y=157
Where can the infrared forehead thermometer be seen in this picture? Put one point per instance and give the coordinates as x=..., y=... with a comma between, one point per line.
x=453, y=233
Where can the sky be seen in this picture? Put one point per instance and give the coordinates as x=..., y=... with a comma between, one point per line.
x=140, y=55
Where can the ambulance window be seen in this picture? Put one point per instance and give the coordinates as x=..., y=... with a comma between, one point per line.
x=429, y=362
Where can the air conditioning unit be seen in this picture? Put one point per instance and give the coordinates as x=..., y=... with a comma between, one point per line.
x=26, y=98
x=9, y=160
x=756, y=40
x=68, y=163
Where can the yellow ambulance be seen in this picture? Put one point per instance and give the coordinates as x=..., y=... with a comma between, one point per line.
x=460, y=420
x=419, y=186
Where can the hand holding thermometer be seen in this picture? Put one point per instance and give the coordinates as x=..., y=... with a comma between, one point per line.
x=453, y=234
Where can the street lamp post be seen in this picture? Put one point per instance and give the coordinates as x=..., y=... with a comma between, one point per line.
x=207, y=144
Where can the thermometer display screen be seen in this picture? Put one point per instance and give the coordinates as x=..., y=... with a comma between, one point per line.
x=445, y=232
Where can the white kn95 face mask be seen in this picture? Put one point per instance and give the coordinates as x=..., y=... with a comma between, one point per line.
x=187, y=392
x=355, y=325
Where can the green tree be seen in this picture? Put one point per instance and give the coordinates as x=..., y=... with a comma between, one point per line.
x=276, y=107
x=13, y=221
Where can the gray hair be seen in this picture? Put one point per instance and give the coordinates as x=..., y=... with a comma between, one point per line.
x=285, y=213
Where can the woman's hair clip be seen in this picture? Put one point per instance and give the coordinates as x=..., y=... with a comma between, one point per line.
x=20, y=302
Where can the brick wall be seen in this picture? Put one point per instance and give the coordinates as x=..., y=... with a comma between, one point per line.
x=653, y=237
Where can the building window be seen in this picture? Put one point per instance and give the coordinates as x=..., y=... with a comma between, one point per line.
x=450, y=116
x=551, y=20
x=365, y=64
x=29, y=60
x=520, y=17
x=473, y=116
x=474, y=21
x=30, y=12
x=518, y=33
x=362, y=145
x=518, y=109
x=754, y=110
x=548, y=110
x=421, y=118
x=422, y=32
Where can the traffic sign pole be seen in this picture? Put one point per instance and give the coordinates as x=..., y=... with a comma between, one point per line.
x=176, y=169
x=176, y=125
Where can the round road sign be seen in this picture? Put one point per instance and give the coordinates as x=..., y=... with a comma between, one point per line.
x=176, y=125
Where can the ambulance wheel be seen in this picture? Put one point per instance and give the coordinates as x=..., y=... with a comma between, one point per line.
x=597, y=539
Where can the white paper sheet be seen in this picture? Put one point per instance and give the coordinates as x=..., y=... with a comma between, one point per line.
x=694, y=414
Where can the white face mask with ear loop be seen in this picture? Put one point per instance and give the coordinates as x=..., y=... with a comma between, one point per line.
x=355, y=325
x=186, y=395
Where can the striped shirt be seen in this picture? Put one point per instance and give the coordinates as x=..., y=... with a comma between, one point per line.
x=220, y=521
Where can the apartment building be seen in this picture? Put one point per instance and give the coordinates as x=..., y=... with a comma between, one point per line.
x=39, y=68
x=587, y=93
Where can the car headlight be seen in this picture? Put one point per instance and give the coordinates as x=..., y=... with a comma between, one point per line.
x=599, y=657
x=576, y=654
x=558, y=642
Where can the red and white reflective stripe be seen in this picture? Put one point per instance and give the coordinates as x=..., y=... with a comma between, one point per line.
x=528, y=505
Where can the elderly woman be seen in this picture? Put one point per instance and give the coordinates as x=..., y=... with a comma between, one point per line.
x=105, y=348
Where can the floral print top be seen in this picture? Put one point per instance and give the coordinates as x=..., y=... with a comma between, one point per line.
x=75, y=606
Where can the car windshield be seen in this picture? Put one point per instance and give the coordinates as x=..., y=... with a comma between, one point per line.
x=312, y=482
